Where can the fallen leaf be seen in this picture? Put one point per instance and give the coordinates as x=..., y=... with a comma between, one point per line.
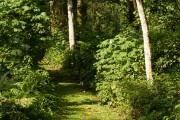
x=88, y=113
x=88, y=107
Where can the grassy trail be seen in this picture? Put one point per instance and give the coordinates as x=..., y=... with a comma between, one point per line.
x=79, y=104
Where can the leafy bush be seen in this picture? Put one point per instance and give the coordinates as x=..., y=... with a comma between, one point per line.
x=58, y=52
x=118, y=59
x=120, y=81
x=84, y=62
x=24, y=37
x=23, y=93
x=25, y=28
x=166, y=56
x=164, y=100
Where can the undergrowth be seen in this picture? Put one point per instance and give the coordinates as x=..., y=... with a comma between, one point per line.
x=120, y=78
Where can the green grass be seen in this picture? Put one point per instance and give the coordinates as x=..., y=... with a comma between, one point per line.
x=78, y=103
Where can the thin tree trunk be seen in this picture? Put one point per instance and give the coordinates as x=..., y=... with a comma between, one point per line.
x=147, y=51
x=71, y=25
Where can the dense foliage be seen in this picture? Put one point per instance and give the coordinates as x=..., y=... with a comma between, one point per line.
x=24, y=37
x=108, y=56
x=118, y=59
x=120, y=74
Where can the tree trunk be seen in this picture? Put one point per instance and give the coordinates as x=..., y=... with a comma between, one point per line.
x=71, y=25
x=147, y=51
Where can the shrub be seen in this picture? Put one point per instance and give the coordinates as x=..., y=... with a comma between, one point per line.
x=118, y=59
x=24, y=37
x=25, y=94
x=166, y=54
x=120, y=81
x=25, y=28
x=58, y=52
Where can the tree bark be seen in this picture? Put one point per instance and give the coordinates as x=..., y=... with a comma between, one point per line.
x=147, y=51
x=71, y=25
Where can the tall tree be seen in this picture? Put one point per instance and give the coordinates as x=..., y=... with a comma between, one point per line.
x=71, y=25
x=147, y=51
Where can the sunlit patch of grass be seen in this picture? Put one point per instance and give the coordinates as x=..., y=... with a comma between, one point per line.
x=80, y=104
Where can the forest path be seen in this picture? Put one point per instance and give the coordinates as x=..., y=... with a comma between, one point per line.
x=78, y=103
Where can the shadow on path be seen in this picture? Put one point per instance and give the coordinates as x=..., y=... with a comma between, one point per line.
x=72, y=95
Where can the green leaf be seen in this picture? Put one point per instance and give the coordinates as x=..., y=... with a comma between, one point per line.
x=177, y=106
x=26, y=8
x=16, y=52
